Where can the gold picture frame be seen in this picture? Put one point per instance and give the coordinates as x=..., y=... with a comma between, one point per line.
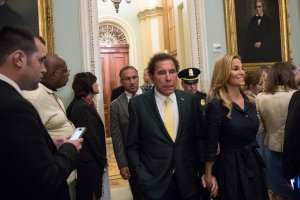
x=233, y=47
x=46, y=27
x=37, y=15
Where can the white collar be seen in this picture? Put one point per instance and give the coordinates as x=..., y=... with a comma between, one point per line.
x=129, y=95
x=162, y=97
x=10, y=82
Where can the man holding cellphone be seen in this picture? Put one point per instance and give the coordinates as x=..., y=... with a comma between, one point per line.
x=32, y=167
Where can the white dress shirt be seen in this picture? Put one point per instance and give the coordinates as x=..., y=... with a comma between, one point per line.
x=129, y=95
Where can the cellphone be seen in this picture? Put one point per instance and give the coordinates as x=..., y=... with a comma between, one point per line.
x=77, y=133
x=295, y=183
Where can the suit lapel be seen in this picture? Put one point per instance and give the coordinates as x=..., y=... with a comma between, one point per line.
x=150, y=104
x=124, y=103
x=180, y=101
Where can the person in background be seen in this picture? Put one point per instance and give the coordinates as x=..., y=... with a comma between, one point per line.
x=148, y=85
x=291, y=145
x=272, y=107
x=119, y=122
x=165, y=136
x=254, y=83
x=92, y=157
x=296, y=72
x=232, y=122
x=115, y=93
x=31, y=166
x=50, y=108
x=264, y=70
x=189, y=82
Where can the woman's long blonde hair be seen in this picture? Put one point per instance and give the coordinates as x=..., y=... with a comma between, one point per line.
x=221, y=74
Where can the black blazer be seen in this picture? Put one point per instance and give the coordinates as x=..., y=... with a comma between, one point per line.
x=30, y=168
x=151, y=152
x=291, y=146
x=93, y=148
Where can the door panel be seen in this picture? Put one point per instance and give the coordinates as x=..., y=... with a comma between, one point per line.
x=113, y=58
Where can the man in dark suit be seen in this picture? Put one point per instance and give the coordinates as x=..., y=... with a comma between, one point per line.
x=261, y=42
x=115, y=93
x=165, y=136
x=31, y=166
x=291, y=147
x=119, y=121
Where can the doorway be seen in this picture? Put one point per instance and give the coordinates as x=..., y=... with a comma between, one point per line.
x=113, y=58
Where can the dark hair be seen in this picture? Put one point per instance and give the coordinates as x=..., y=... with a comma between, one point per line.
x=252, y=78
x=126, y=68
x=83, y=84
x=16, y=38
x=41, y=39
x=161, y=57
x=262, y=3
x=263, y=69
x=280, y=74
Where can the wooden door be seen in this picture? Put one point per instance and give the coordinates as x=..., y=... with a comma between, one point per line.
x=113, y=58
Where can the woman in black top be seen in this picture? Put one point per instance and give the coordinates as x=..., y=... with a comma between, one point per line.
x=92, y=157
x=232, y=123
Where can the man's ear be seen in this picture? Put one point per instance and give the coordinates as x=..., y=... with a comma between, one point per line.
x=19, y=58
x=150, y=76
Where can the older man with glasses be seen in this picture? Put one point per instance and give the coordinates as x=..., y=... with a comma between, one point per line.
x=50, y=108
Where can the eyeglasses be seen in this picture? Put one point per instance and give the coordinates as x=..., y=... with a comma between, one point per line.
x=67, y=71
x=134, y=78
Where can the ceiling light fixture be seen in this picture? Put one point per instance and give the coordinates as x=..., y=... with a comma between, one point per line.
x=117, y=3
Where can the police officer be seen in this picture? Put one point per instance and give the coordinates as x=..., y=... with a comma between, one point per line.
x=189, y=81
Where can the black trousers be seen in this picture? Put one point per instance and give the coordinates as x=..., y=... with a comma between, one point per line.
x=135, y=189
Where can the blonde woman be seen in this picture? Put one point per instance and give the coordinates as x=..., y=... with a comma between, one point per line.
x=272, y=106
x=232, y=122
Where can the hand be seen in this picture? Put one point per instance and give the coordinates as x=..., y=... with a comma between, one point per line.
x=211, y=183
x=125, y=173
x=257, y=45
x=59, y=140
x=76, y=143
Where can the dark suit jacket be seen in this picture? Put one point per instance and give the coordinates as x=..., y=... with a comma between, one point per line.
x=115, y=93
x=93, y=148
x=291, y=147
x=30, y=168
x=119, y=122
x=152, y=153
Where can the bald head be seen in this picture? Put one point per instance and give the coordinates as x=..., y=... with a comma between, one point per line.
x=57, y=74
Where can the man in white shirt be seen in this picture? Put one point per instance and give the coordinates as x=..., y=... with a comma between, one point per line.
x=50, y=108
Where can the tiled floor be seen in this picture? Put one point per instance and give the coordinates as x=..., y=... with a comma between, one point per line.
x=114, y=174
x=119, y=188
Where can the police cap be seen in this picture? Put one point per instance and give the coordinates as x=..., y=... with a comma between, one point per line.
x=189, y=75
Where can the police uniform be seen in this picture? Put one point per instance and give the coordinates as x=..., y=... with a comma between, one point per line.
x=190, y=76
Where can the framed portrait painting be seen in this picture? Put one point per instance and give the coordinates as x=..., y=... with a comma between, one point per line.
x=34, y=14
x=258, y=31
